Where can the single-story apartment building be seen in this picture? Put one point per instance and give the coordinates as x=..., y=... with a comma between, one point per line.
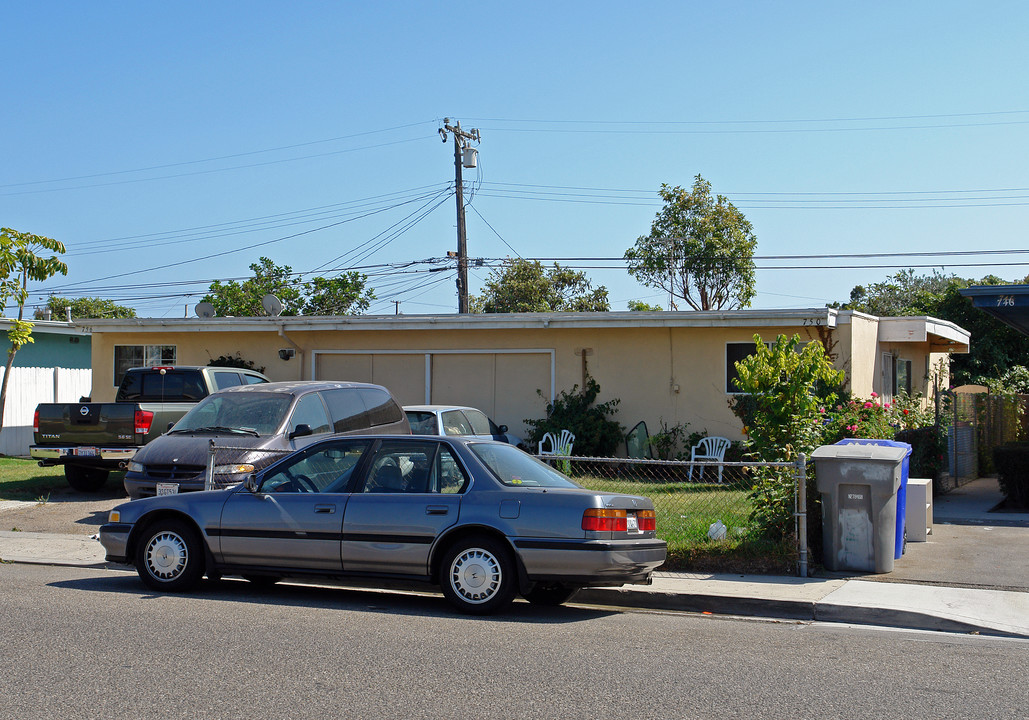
x=672, y=367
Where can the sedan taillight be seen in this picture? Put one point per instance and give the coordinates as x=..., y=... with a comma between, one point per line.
x=604, y=520
x=144, y=419
x=647, y=520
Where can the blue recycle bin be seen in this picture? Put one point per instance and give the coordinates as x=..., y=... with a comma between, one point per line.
x=902, y=494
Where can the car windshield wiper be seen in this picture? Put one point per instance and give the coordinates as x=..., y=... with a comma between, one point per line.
x=222, y=429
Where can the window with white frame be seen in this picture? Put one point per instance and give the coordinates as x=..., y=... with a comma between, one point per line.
x=130, y=356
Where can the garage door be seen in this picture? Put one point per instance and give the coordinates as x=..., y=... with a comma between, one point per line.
x=404, y=375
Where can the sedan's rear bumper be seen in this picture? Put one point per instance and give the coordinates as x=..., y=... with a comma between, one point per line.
x=591, y=562
x=115, y=539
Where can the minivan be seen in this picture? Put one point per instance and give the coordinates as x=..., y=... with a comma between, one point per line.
x=250, y=426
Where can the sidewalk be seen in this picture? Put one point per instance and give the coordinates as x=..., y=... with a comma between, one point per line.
x=931, y=604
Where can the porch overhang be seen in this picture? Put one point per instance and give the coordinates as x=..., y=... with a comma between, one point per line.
x=1007, y=303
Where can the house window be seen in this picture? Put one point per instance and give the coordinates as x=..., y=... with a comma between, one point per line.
x=734, y=352
x=130, y=356
x=903, y=377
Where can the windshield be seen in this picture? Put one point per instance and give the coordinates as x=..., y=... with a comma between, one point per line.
x=249, y=412
x=515, y=468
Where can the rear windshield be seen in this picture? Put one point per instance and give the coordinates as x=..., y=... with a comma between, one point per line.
x=515, y=468
x=262, y=412
x=153, y=386
x=422, y=422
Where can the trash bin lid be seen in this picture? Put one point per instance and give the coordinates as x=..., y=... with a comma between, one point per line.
x=880, y=453
x=876, y=441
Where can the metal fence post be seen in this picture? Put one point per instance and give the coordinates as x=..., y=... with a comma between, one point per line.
x=209, y=472
x=801, y=514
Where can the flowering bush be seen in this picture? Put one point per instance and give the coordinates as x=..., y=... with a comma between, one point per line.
x=874, y=418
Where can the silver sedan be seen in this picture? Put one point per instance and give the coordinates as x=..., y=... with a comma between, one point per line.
x=481, y=519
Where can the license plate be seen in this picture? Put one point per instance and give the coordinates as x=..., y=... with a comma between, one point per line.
x=632, y=524
x=167, y=488
x=85, y=451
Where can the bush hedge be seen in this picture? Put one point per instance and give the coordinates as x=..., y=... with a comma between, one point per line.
x=1012, y=464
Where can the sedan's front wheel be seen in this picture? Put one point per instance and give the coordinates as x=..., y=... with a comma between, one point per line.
x=170, y=556
x=478, y=576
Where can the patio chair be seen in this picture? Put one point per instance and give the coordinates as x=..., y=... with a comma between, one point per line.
x=710, y=449
x=560, y=444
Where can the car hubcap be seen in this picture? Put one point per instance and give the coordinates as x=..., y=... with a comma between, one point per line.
x=166, y=556
x=475, y=575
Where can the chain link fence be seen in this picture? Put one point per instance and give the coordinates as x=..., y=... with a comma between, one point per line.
x=706, y=511
x=228, y=465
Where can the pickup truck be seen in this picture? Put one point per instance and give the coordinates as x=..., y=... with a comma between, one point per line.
x=92, y=439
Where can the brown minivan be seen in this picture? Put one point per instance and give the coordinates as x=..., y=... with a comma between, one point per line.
x=254, y=425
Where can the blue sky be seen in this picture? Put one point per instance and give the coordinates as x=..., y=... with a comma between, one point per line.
x=170, y=145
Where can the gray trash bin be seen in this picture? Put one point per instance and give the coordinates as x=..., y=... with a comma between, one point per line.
x=859, y=484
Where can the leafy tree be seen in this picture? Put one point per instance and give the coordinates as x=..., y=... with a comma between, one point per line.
x=84, y=308
x=527, y=286
x=639, y=306
x=342, y=295
x=699, y=249
x=20, y=262
x=902, y=293
x=782, y=412
x=243, y=299
x=345, y=294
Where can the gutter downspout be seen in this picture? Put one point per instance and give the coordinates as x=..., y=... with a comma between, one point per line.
x=300, y=351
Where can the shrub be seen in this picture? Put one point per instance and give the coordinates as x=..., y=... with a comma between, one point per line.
x=1012, y=464
x=596, y=435
x=928, y=450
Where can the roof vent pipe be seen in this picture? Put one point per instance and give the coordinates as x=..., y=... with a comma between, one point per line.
x=67, y=312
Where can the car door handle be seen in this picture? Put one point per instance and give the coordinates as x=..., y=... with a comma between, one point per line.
x=328, y=509
x=436, y=510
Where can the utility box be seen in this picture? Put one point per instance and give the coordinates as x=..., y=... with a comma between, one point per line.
x=858, y=485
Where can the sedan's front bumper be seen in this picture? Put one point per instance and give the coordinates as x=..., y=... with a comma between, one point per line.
x=115, y=539
x=591, y=562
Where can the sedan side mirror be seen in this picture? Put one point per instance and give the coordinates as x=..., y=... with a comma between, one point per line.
x=251, y=483
x=301, y=430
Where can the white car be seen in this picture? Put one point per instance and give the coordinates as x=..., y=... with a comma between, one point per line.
x=456, y=420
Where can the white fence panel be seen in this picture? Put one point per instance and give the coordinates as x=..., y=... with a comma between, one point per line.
x=29, y=387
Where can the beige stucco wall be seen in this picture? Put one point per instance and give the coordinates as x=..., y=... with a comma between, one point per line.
x=669, y=374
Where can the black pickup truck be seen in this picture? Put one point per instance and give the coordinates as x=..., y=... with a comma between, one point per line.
x=92, y=439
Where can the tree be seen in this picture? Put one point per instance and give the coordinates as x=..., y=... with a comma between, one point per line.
x=243, y=299
x=902, y=293
x=699, y=249
x=527, y=286
x=344, y=294
x=640, y=306
x=83, y=308
x=18, y=255
x=782, y=410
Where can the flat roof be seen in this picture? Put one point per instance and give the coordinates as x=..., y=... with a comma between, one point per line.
x=1007, y=303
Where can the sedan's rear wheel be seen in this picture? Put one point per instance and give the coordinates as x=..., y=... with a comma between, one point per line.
x=477, y=576
x=170, y=556
x=552, y=594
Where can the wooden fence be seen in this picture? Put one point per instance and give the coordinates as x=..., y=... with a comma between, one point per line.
x=29, y=387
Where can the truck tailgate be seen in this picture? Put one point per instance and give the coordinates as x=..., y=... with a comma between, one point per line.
x=86, y=424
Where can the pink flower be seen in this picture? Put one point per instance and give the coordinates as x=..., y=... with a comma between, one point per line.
x=821, y=410
x=886, y=405
x=868, y=404
x=875, y=394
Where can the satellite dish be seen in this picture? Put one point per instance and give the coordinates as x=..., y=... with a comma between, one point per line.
x=204, y=310
x=271, y=304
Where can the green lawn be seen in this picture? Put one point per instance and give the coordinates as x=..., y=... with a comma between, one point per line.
x=25, y=480
x=685, y=512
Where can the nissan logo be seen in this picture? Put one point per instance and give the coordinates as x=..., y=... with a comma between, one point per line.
x=84, y=410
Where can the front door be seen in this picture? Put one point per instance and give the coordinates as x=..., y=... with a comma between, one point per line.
x=295, y=518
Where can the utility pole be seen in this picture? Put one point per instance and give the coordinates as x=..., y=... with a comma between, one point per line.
x=464, y=156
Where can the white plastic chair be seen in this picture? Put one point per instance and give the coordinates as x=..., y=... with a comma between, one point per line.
x=557, y=444
x=711, y=449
